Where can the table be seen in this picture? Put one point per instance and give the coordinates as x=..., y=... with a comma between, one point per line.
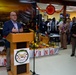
x=54, y=37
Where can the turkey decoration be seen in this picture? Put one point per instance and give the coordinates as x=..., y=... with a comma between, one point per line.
x=50, y=9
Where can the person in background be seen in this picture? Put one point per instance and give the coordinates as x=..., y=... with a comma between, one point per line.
x=54, y=25
x=73, y=37
x=60, y=21
x=49, y=26
x=71, y=23
x=11, y=26
x=68, y=31
x=63, y=30
x=43, y=25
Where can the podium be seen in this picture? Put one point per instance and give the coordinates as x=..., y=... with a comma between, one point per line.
x=19, y=40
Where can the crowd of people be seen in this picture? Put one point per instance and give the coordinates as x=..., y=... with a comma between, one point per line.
x=65, y=27
x=67, y=31
x=49, y=26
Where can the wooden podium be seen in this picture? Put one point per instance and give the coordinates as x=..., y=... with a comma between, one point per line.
x=19, y=40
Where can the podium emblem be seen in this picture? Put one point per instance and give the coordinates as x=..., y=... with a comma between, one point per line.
x=21, y=56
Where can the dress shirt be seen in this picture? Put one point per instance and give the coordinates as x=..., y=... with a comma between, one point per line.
x=15, y=25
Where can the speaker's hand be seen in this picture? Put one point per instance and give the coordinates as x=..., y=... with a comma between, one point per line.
x=21, y=30
x=14, y=30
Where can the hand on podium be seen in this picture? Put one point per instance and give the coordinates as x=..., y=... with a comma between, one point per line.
x=21, y=30
x=14, y=30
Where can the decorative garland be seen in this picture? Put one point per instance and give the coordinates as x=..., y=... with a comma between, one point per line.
x=50, y=6
x=60, y=10
x=42, y=10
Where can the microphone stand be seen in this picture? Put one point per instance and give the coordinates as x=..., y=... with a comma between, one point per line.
x=32, y=2
x=33, y=72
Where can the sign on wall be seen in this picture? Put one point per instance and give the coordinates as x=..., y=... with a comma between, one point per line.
x=21, y=56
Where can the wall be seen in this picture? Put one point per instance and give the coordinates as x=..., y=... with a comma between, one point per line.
x=57, y=15
x=72, y=14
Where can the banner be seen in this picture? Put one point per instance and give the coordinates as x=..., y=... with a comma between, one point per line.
x=21, y=56
x=44, y=52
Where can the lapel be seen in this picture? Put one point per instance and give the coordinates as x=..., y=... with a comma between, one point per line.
x=13, y=24
x=18, y=25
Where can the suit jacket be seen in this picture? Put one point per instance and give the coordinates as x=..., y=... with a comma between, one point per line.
x=7, y=28
x=73, y=30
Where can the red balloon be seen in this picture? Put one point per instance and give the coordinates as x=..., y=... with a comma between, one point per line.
x=50, y=9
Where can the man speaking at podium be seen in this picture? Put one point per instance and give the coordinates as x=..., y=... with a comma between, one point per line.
x=11, y=26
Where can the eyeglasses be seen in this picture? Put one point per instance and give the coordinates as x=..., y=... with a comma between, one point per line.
x=13, y=15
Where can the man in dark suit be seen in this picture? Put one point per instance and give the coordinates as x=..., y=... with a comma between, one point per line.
x=73, y=37
x=11, y=26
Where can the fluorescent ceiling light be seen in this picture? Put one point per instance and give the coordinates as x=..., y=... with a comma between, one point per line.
x=47, y=4
x=54, y=4
x=70, y=10
x=27, y=1
x=72, y=6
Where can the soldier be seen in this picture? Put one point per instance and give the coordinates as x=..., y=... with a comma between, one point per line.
x=63, y=37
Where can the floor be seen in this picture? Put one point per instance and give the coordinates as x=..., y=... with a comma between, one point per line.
x=61, y=64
